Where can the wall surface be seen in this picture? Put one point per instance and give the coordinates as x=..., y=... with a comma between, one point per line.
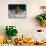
x=25, y=26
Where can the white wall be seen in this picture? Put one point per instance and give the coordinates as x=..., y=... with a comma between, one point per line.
x=24, y=26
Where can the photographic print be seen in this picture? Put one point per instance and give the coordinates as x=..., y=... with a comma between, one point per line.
x=17, y=10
